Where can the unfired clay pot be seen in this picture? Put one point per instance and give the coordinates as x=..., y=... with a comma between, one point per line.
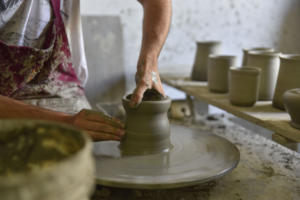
x=147, y=127
x=44, y=160
x=291, y=100
x=288, y=77
x=204, y=49
x=245, y=53
x=244, y=85
x=269, y=63
x=217, y=72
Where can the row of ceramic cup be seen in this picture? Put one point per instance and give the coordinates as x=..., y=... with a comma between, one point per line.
x=264, y=75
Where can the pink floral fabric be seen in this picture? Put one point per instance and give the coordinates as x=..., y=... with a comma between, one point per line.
x=30, y=73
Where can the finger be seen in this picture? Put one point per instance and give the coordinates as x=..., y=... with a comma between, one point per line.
x=96, y=116
x=158, y=87
x=99, y=136
x=161, y=90
x=100, y=127
x=137, y=95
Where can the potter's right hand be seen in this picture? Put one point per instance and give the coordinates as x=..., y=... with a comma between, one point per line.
x=98, y=126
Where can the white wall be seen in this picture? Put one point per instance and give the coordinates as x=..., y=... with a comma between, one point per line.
x=238, y=23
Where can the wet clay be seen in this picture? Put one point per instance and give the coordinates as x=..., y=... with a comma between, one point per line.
x=30, y=147
x=152, y=95
x=147, y=126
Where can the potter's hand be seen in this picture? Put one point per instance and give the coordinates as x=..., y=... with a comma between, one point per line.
x=98, y=126
x=147, y=77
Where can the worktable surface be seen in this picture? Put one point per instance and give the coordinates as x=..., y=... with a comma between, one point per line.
x=266, y=170
x=262, y=113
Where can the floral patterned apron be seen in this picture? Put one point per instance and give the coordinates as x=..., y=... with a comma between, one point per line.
x=27, y=73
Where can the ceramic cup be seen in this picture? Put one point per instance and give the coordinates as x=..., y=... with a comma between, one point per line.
x=288, y=77
x=147, y=127
x=291, y=101
x=217, y=72
x=269, y=63
x=245, y=53
x=204, y=49
x=244, y=85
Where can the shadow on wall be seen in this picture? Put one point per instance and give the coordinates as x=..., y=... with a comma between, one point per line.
x=289, y=40
x=103, y=38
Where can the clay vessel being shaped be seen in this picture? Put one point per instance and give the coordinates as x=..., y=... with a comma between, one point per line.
x=147, y=127
x=288, y=77
x=244, y=85
x=217, y=72
x=291, y=100
x=245, y=53
x=269, y=63
x=204, y=49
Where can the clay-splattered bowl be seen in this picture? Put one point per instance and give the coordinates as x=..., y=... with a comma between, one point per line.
x=291, y=100
x=44, y=160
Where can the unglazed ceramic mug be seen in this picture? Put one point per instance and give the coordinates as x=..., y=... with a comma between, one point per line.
x=204, y=49
x=288, y=77
x=245, y=53
x=244, y=85
x=147, y=127
x=291, y=101
x=217, y=72
x=269, y=63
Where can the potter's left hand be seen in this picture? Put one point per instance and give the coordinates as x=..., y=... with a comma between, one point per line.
x=98, y=125
x=146, y=77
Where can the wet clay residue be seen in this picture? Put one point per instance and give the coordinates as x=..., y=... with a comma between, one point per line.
x=28, y=148
x=151, y=95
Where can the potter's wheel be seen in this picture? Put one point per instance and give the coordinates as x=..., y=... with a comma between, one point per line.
x=196, y=157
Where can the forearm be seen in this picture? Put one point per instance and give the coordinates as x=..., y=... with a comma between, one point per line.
x=11, y=108
x=156, y=24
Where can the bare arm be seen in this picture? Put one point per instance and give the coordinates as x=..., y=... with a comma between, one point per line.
x=11, y=108
x=98, y=126
x=156, y=24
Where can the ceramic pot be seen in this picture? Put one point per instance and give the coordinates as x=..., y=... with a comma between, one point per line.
x=44, y=160
x=291, y=101
x=217, y=72
x=244, y=85
x=288, y=77
x=204, y=49
x=245, y=53
x=269, y=63
x=147, y=127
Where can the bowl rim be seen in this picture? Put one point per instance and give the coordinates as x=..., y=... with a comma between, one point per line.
x=14, y=179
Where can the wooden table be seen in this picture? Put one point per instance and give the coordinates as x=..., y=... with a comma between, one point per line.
x=262, y=113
